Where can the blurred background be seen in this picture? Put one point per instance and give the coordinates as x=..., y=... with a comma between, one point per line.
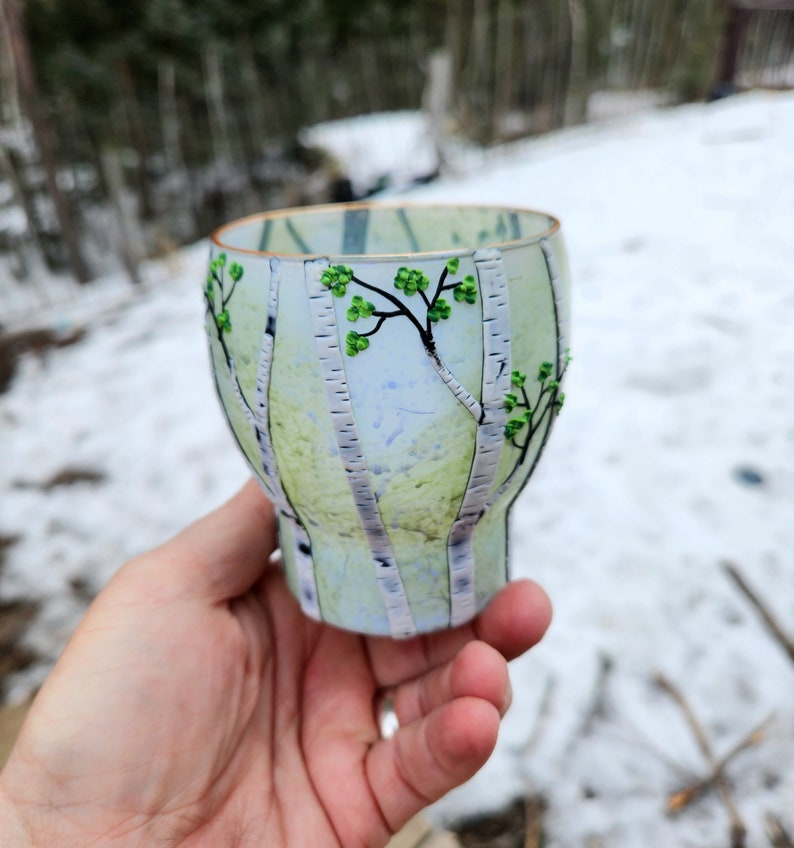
x=127, y=130
x=661, y=132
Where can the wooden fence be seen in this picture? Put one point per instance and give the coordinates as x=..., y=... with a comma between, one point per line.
x=216, y=138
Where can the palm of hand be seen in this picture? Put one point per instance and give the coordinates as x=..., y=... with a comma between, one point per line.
x=198, y=707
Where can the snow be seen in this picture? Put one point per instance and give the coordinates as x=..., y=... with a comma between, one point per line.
x=674, y=454
x=391, y=147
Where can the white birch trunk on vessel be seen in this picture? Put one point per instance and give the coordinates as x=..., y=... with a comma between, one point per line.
x=326, y=335
x=304, y=565
x=561, y=333
x=489, y=438
x=470, y=403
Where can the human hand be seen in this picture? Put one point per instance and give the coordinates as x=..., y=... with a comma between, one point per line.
x=195, y=705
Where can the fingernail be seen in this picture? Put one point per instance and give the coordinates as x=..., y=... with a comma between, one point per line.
x=508, y=699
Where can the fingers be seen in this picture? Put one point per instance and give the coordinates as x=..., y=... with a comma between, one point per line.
x=516, y=619
x=513, y=622
x=478, y=671
x=430, y=756
x=221, y=555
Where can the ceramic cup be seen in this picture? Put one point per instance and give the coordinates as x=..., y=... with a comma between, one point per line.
x=391, y=374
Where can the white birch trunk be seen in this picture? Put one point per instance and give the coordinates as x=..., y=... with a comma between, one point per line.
x=489, y=438
x=304, y=565
x=470, y=403
x=321, y=305
x=562, y=344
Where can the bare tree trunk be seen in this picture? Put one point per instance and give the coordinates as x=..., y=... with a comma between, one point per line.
x=137, y=135
x=9, y=94
x=169, y=118
x=9, y=166
x=437, y=101
x=503, y=71
x=42, y=131
x=114, y=180
x=257, y=123
x=576, y=96
x=216, y=106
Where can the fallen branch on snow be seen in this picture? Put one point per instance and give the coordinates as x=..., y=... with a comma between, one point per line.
x=769, y=620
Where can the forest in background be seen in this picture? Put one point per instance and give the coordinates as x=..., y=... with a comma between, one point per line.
x=129, y=129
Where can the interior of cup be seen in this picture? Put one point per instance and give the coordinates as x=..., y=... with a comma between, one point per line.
x=363, y=229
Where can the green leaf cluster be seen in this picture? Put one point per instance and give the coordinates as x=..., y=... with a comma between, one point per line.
x=337, y=278
x=466, y=291
x=359, y=308
x=453, y=263
x=517, y=379
x=355, y=343
x=224, y=321
x=411, y=280
x=236, y=272
x=545, y=371
x=440, y=311
x=515, y=425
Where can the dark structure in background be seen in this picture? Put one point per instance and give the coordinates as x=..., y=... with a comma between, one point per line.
x=129, y=129
x=772, y=16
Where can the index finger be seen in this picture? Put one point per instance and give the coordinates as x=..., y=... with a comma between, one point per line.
x=513, y=622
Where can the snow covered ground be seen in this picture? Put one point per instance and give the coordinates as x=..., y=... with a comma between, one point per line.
x=674, y=453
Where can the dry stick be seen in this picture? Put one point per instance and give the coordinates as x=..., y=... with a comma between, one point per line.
x=534, y=813
x=684, y=797
x=738, y=829
x=769, y=620
x=778, y=836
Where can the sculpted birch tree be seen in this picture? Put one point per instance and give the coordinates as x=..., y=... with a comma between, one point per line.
x=217, y=299
x=488, y=412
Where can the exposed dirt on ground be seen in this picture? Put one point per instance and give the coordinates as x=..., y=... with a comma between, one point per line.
x=14, y=344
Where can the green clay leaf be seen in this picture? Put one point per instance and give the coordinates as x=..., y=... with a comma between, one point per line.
x=453, y=264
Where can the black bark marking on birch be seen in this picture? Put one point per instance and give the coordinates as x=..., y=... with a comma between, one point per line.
x=304, y=564
x=350, y=450
x=489, y=434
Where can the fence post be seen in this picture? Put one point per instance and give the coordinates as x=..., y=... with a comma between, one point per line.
x=732, y=39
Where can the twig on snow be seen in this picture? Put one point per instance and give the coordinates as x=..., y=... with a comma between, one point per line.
x=769, y=620
x=717, y=767
x=778, y=836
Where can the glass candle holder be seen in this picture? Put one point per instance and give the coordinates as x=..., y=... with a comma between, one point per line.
x=391, y=374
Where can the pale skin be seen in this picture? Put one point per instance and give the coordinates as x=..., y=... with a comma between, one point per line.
x=195, y=706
